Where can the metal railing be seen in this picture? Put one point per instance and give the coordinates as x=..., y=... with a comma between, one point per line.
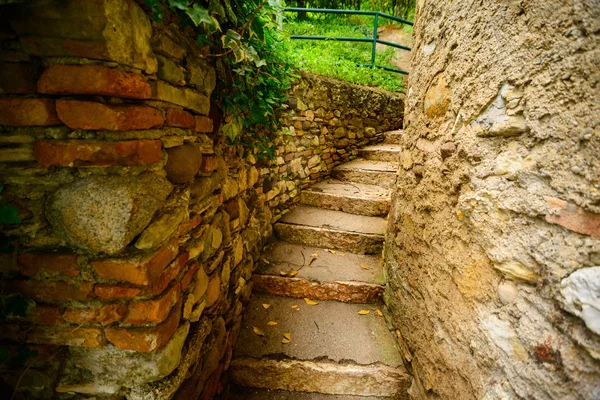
x=373, y=40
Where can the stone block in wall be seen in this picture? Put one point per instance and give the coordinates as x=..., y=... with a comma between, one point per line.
x=28, y=112
x=79, y=153
x=110, y=30
x=179, y=118
x=183, y=163
x=90, y=115
x=145, y=339
x=161, y=229
x=137, y=269
x=51, y=292
x=17, y=78
x=93, y=80
x=153, y=310
x=106, y=370
x=203, y=124
x=102, y=214
x=103, y=314
x=183, y=97
x=201, y=75
x=54, y=335
x=169, y=71
x=31, y=264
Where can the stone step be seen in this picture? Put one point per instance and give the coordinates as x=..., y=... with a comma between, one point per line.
x=244, y=393
x=337, y=230
x=393, y=137
x=381, y=152
x=379, y=173
x=321, y=274
x=353, y=198
x=333, y=350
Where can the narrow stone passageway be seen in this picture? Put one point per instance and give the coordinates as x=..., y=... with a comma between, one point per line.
x=315, y=323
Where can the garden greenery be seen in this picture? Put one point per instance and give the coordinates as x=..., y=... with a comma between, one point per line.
x=254, y=73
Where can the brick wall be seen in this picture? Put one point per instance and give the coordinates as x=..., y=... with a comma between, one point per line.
x=140, y=224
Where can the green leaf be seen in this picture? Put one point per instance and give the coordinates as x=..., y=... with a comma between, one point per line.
x=14, y=305
x=178, y=4
x=199, y=15
x=9, y=214
x=239, y=54
x=257, y=29
x=230, y=39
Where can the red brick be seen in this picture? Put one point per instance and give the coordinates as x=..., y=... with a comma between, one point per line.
x=103, y=314
x=31, y=264
x=154, y=310
x=179, y=118
x=86, y=153
x=145, y=339
x=189, y=275
x=28, y=112
x=17, y=78
x=54, y=335
x=167, y=276
x=111, y=292
x=573, y=218
x=203, y=124
x=51, y=291
x=93, y=80
x=89, y=115
x=209, y=164
x=139, y=270
x=189, y=225
x=45, y=315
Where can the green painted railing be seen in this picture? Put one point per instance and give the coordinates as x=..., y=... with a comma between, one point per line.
x=373, y=40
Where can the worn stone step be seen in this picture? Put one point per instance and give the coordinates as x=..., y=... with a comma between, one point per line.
x=337, y=230
x=381, y=152
x=379, y=173
x=321, y=274
x=244, y=393
x=333, y=349
x=393, y=137
x=353, y=198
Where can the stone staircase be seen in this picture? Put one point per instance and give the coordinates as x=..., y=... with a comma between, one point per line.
x=314, y=327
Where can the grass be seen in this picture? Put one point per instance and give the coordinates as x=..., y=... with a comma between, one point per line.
x=339, y=59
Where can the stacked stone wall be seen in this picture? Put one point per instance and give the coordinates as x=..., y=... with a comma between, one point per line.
x=493, y=251
x=139, y=223
x=325, y=124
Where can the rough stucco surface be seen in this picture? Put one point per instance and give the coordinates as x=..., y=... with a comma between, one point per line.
x=493, y=246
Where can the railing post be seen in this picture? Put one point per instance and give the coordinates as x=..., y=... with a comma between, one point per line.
x=374, y=39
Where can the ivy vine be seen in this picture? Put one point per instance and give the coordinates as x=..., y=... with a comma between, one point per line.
x=255, y=75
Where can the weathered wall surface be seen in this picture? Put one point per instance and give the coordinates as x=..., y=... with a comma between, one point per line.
x=493, y=250
x=326, y=123
x=140, y=224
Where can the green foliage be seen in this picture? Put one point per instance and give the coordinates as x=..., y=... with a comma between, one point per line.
x=400, y=8
x=254, y=76
x=14, y=305
x=339, y=59
x=8, y=213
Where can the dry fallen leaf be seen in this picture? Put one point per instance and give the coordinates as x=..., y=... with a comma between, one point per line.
x=364, y=266
x=311, y=261
x=378, y=311
x=271, y=323
x=283, y=273
x=287, y=336
x=258, y=331
x=285, y=341
x=295, y=306
x=310, y=302
x=315, y=254
x=293, y=273
x=364, y=312
x=266, y=306
x=266, y=261
x=341, y=254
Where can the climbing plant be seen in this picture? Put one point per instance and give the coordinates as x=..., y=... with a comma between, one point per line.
x=253, y=69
